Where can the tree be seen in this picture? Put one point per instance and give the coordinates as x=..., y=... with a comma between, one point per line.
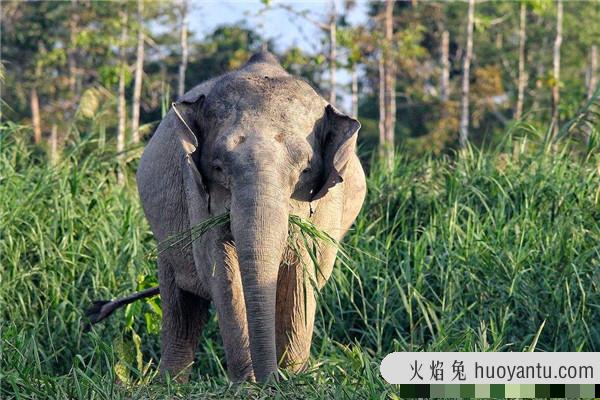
x=464, y=120
x=381, y=104
x=556, y=67
x=332, y=53
x=445, y=63
x=330, y=28
x=389, y=83
x=301, y=63
x=122, y=105
x=412, y=56
x=226, y=48
x=71, y=52
x=354, y=90
x=183, y=41
x=36, y=119
x=350, y=41
x=25, y=56
x=139, y=70
x=522, y=80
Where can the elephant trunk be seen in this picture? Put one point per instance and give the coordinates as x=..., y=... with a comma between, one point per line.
x=259, y=224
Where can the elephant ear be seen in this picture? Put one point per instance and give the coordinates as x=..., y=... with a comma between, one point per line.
x=338, y=145
x=187, y=110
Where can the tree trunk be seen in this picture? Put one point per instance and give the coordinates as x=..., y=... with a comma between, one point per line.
x=35, y=116
x=522, y=80
x=390, y=85
x=445, y=62
x=332, y=54
x=184, y=47
x=139, y=70
x=464, y=119
x=354, y=90
x=381, y=125
x=556, y=68
x=122, y=111
x=36, y=119
x=165, y=91
x=72, y=48
x=540, y=73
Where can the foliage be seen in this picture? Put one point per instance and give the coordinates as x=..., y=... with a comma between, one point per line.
x=225, y=49
x=31, y=55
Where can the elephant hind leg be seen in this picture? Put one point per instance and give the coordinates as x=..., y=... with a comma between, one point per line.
x=184, y=316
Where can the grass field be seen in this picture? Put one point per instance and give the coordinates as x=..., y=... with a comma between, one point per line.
x=479, y=253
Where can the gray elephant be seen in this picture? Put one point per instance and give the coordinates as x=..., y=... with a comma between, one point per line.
x=263, y=145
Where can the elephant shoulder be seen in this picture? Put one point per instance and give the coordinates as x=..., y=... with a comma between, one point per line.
x=160, y=180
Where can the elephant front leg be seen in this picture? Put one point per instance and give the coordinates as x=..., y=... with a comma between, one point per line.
x=228, y=295
x=184, y=315
x=295, y=316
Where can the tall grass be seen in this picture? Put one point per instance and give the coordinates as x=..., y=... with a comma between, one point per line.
x=481, y=252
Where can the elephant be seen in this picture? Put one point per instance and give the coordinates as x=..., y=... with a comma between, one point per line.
x=262, y=145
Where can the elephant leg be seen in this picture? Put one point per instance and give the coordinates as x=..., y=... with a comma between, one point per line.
x=295, y=316
x=228, y=295
x=184, y=316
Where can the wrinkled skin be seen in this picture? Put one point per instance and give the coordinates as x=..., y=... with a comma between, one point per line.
x=264, y=145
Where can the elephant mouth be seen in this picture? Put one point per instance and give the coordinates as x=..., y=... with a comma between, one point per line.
x=297, y=225
x=186, y=238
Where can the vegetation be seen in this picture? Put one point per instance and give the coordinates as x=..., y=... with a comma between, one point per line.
x=480, y=231
x=409, y=83
x=483, y=252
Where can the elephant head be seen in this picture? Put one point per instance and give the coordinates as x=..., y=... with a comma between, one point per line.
x=265, y=139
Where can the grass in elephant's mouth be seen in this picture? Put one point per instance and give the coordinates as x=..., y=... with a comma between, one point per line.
x=299, y=228
x=309, y=230
x=186, y=238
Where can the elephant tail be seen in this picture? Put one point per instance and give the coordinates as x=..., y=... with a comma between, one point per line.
x=101, y=309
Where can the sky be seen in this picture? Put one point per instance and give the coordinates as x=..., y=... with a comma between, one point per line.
x=279, y=25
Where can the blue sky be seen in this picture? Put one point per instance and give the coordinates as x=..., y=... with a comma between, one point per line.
x=280, y=26
x=276, y=24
